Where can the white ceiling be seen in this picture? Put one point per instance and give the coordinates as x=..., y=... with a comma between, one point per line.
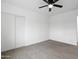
x=34, y=4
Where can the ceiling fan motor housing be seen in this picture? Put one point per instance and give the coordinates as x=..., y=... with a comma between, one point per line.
x=50, y=1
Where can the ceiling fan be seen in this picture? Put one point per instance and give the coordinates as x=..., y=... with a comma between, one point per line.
x=50, y=4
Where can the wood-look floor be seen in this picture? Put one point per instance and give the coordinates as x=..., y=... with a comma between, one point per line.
x=44, y=50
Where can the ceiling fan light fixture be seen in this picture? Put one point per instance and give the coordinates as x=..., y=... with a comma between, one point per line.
x=50, y=5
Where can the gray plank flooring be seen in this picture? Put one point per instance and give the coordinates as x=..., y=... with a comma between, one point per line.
x=43, y=50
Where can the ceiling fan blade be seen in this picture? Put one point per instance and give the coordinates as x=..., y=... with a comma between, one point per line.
x=43, y=6
x=60, y=6
x=50, y=9
x=45, y=1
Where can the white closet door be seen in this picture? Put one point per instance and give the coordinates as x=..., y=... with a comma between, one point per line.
x=20, y=31
x=9, y=31
x=3, y=32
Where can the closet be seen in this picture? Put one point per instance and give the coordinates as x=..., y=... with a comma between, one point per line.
x=12, y=31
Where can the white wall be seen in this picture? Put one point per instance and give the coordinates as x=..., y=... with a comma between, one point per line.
x=36, y=25
x=63, y=27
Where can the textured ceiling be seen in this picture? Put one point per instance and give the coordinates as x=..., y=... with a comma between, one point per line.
x=33, y=5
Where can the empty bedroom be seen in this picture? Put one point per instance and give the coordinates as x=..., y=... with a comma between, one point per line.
x=39, y=29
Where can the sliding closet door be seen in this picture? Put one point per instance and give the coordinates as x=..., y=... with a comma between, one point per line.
x=20, y=31
x=8, y=31
x=3, y=32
